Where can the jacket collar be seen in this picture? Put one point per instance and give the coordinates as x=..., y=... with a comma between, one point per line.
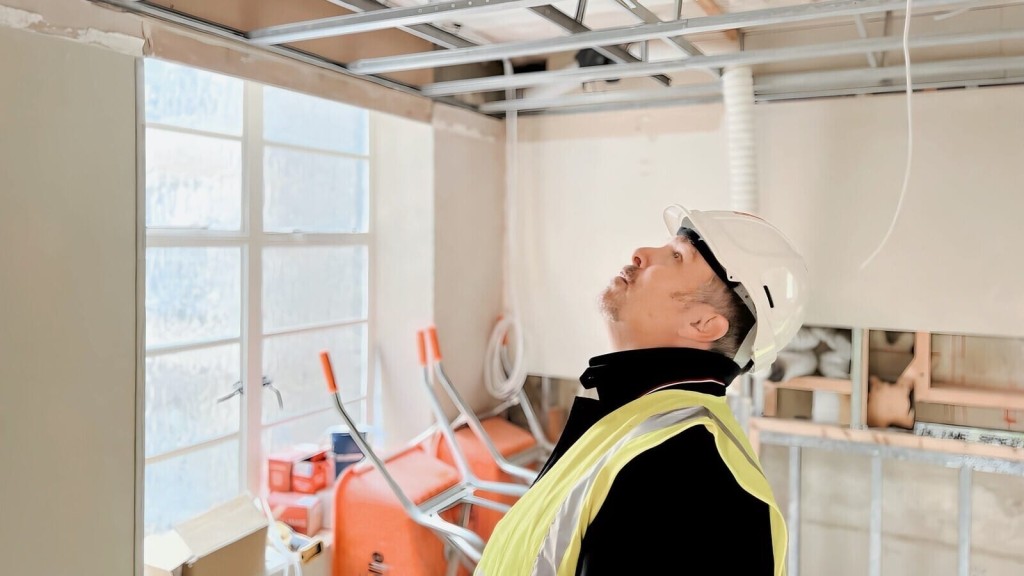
x=621, y=377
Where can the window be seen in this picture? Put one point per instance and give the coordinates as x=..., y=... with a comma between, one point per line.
x=258, y=255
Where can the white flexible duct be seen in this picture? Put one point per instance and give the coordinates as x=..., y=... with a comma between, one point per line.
x=500, y=384
x=738, y=95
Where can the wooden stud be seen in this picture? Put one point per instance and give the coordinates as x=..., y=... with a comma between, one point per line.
x=711, y=8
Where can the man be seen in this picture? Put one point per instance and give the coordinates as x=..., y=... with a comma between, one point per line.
x=655, y=476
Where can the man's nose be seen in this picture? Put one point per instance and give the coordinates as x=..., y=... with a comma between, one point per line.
x=641, y=257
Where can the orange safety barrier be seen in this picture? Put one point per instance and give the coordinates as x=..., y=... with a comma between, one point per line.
x=373, y=534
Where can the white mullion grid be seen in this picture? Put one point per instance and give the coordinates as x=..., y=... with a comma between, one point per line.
x=320, y=151
x=315, y=239
x=185, y=237
x=314, y=327
x=252, y=223
x=191, y=448
x=166, y=349
x=167, y=238
x=196, y=132
x=193, y=238
x=297, y=417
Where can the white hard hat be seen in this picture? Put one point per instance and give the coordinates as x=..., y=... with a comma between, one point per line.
x=761, y=265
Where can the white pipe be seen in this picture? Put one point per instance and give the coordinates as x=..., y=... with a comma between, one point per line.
x=738, y=95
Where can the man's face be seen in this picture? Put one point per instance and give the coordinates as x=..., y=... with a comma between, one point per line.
x=653, y=301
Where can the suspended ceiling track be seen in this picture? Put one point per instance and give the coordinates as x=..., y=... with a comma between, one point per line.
x=745, y=58
x=627, y=34
x=372, y=15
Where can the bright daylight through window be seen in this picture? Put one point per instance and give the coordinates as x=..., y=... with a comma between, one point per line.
x=258, y=252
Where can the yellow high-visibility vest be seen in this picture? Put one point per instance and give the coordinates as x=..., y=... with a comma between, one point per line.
x=542, y=533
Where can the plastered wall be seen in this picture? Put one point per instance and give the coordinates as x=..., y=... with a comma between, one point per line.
x=592, y=186
x=68, y=308
x=469, y=191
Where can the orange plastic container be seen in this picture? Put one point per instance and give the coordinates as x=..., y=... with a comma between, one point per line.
x=510, y=440
x=373, y=534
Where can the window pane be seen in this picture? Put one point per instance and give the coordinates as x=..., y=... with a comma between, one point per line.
x=292, y=361
x=312, y=284
x=192, y=294
x=181, y=397
x=303, y=120
x=193, y=181
x=313, y=429
x=191, y=98
x=311, y=192
x=179, y=488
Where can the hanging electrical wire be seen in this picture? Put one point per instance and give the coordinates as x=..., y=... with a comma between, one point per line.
x=910, y=138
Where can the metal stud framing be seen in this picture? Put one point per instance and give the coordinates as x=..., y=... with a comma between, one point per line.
x=419, y=20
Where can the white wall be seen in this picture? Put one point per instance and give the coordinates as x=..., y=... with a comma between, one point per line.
x=469, y=192
x=831, y=173
x=403, y=293
x=68, y=309
x=591, y=188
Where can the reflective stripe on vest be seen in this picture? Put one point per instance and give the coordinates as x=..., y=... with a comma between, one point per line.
x=541, y=535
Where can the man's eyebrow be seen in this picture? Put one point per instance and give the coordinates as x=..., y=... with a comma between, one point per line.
x=682, y=241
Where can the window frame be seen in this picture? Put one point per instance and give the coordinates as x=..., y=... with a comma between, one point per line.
x=252, y=241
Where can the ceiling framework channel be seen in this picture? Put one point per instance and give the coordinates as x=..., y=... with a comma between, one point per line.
x=425, y=21
x=629, y=34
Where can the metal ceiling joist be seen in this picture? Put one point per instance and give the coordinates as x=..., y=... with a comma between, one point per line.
x=799, y=84
x=379, y=20
x=217, y=31
x=613, y=53
x=748, y=58
x=648, y=17
x=866, y=76
x=884, y=88
x=718, y=23
x=862, y=31
x=428, y=32
x=675, y=93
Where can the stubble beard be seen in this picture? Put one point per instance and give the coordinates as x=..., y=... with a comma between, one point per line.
x=610, y=304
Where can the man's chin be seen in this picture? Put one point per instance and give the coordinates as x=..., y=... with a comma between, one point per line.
x=609, y=307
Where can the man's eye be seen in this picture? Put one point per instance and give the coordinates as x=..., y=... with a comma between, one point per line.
x=677, y=255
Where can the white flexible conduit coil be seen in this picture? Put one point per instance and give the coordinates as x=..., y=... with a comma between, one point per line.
x=738, y=96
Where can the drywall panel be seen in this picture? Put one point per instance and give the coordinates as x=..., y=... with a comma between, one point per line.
x=997, y=532
x=101, y=25
x=68, y=346
x=469, y=189
x=403, y=296
x=249, y=15
x=591, y=189
x=831, y=173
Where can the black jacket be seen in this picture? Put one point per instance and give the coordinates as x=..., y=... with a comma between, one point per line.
x=676, y=508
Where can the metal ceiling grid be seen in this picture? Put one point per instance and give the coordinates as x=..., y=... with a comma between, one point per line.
x=615, y=46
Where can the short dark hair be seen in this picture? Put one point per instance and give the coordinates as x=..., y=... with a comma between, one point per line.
x=717, y=294
x=720, y=295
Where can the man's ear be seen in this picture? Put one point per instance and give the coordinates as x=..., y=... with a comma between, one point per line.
x=707, y=327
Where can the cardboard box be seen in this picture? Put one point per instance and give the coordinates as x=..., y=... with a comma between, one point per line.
x=303, y=512
x=229, y=540
x=281, y=467
x=312, y=474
